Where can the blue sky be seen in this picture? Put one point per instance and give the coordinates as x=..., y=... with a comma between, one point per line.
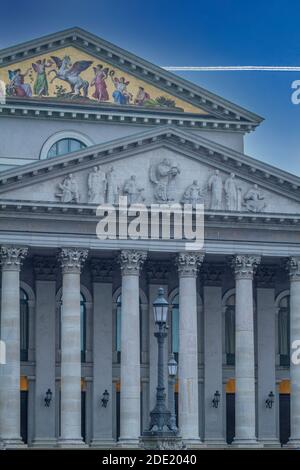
x=195, y=32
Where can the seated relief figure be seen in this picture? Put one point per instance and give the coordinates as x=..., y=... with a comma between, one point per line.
x=69, y=189
x=193, y=195
x=133, y=191
x=254, y=200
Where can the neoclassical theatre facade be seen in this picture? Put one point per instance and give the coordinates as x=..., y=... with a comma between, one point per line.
x=83, y=123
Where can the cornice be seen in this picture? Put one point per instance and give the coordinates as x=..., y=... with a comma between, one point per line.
x=144, y=117
x=134, y=65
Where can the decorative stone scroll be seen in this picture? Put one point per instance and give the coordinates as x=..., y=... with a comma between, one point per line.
x=72, y=259
x=131, y=261
x=188, y=263
x=11, y=257
x=244, y=265
x=293, y=266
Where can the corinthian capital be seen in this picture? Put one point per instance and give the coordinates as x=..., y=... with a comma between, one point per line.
x=131, y=261
x=188, y=263
x=245, y=265
x=72, y=259
x=293, y=266
x=12, y=256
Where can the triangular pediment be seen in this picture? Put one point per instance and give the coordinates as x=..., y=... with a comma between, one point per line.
x=76, y=66
x=148, y=157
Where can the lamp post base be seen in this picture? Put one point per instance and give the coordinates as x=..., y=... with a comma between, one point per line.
x=163, y=441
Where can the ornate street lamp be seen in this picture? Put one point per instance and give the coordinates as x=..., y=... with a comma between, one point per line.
x=270, y=400
x=172, y=368
x=160, y=416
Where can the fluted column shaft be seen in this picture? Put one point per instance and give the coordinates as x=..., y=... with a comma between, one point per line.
x=131, y=262
x=11, y=260
x=188, y=412
x=244, y=267
x=294, y=271
x=71, y=262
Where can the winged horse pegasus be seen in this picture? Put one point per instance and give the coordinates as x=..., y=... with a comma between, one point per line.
x=71, y=73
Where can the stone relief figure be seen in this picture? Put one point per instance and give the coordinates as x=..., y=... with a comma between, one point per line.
x=133, y=191
x=215, y=186
x=112, y=186
x=69, y=190
x=239, y=199
x=163, y=175
x=193, y=195
x=254, y=200
x=97, y=184
x=231, y=193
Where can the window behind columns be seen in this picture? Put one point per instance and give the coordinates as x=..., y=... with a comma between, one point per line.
x=24, y=325
x=284, y=330
x=118, y=328
x=230, y=330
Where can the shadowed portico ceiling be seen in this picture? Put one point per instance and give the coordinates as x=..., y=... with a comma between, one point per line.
x=109, y=77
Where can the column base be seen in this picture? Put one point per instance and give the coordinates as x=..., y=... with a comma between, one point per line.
x=218, y=443
x=44, y=443
x=293, y=444
x=125, y=443
x=13, y=444
x=270, y=443
x=103, y=443
x=194, y=443
x=246, y=444
x=71, y=443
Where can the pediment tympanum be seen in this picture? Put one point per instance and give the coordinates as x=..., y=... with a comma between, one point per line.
x=71, y=74
x=160, y=175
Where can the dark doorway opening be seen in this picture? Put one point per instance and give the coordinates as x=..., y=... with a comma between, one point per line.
x=24, y=416
x=230, y=417
x=284, y=418
x=83, y=415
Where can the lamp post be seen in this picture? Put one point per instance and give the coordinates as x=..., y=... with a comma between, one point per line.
x=160, y=416
x=172, y=367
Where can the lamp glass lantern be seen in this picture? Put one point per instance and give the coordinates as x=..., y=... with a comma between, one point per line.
x=172, y=366
x=160, y=308
x=105, y=398
x=48, y=397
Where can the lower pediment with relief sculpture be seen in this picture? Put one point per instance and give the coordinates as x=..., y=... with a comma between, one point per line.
x=160, y=175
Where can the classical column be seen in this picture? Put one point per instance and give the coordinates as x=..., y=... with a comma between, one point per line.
x=131, y=262
x=213, y=360
x=11, y=260
x=45, y=286
x=188, y=416
x=71, y=260
x=245, y=435
x=294, y=271
x=266, y=341
x=102, y=271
